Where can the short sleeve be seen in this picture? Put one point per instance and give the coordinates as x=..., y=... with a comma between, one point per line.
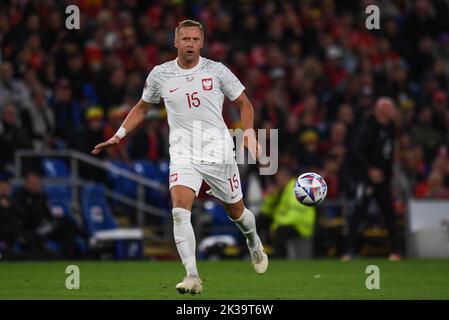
x=230, y=84
x=152, y=90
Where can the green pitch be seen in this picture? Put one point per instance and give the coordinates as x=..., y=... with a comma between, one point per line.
x=312, y=279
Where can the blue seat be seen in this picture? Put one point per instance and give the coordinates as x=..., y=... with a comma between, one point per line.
x=59, y=197
x=120, y=184
x=98, y=217
x=58, y=192
x=164, y=168
x=96, y=213
x=156, y=172
x=146, y=168
x=221, y=224
x=55, y=168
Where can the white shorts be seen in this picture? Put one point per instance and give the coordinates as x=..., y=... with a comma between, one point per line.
x=223, y=179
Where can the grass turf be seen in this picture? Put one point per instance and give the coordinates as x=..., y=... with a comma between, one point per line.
x=311, y=279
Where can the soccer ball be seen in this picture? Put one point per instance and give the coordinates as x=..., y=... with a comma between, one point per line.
x=310, y=189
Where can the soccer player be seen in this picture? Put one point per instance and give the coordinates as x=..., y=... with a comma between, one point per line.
x=193, y=90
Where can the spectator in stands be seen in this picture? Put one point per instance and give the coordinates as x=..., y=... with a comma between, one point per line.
x=439, y=107
x=371, y=169
x=411, y=166
x=115, y=118
x=68, y=112
x=11, y=90
x=446, y=126
x=84, y=138
x=331, y=174
x=282, y=218
x=309, y=158
x=345, y=115
x=434, y=187
x=21, y=244
x=12, y=136
x=337, y=138
x=112, y=92
x=10, y=222
x=76, y=75
x=425, y=134
x=149, y=143
x=37, y=218
x=38, y=119
x=273, y=113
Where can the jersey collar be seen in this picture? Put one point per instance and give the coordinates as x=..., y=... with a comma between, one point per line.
x=188, y=70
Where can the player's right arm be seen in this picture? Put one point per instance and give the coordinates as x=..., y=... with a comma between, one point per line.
x=134, y=117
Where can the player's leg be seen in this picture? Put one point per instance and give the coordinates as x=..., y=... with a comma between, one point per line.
x=245, y=220
x=383, y=196
x=184, y=185
x=355, y=216
x=224, y=180
x=182, y=198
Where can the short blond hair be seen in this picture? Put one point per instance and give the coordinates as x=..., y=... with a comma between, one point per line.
x=189, y=23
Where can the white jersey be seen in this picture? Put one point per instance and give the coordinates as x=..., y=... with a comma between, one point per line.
x=194, y=99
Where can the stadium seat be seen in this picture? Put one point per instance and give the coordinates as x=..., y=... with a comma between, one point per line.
x=121, y=184
x=55, y=168
x=146, y=168
x=221, y=224
x=152, y=171
x=59, y=197
x=164, y=167
x=96, y=212
x=98, y=217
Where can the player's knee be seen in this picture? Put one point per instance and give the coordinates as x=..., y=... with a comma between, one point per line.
x=180, y=215
x=182, y=203
x=235, y=210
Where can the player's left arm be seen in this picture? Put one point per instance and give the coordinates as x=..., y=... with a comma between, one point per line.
x=247, y=117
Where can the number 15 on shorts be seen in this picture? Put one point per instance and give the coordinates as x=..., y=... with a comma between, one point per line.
x=234, y=182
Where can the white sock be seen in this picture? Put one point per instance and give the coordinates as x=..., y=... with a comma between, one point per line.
x=185, y=239
x=247, y=224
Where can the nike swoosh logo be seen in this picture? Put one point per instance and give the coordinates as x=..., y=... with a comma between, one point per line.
x=173, y=90
x=232, y=197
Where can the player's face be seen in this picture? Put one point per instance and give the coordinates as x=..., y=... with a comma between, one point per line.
x=189, y=42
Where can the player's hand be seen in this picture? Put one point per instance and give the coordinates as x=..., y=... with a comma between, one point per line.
x=4, y=202
x=104, y=145
x=376, y=175
x=253, y=146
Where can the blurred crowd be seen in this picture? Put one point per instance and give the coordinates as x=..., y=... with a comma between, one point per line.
x=311, y=69
x=30, y=229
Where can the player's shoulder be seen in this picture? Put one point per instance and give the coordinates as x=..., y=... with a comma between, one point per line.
x=164, y=70
x=206, y=62
x=168, y=65
x=213, y=66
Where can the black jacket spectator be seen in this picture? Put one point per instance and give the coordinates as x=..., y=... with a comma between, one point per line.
x=38, y=220
x=12, y=136
x=34, y=206
x=148, y=143
x=373, y=147
x=10, y=220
